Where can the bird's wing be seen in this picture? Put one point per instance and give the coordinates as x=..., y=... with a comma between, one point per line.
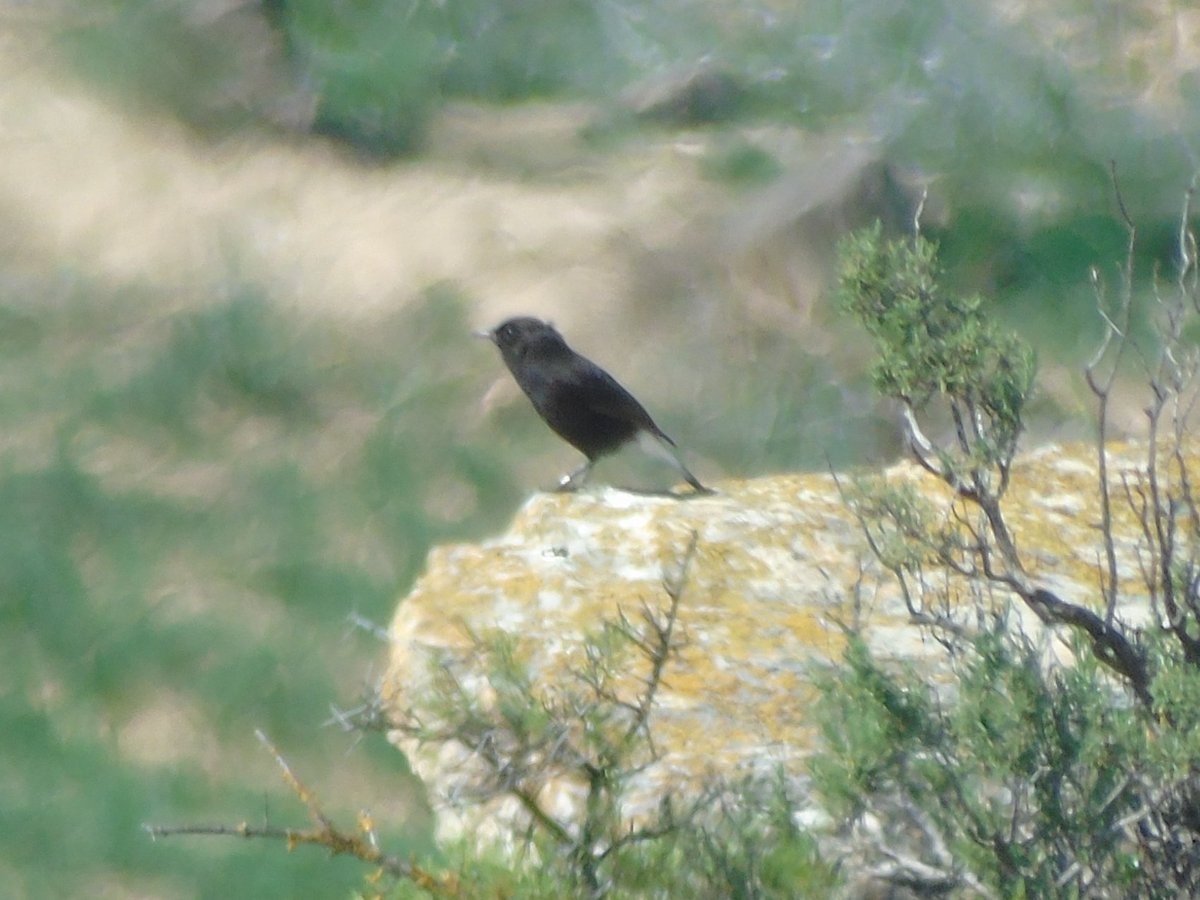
x=604, y=394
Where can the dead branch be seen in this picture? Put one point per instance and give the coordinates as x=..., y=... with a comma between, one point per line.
x=363, y=845
x=662, y=643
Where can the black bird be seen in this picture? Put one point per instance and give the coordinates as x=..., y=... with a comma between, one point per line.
x=584, y=405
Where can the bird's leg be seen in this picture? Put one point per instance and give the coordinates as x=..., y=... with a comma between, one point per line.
x=576, y=479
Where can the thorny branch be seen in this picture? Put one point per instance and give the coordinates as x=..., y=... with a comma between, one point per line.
x=584, y=727
x=1161, y=492
x=969, y=541
x=1116, y=329
x=363, y=845
x=975, y=463
x=657, y=642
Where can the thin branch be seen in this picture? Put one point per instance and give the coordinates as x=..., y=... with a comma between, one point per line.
x=920, y=210
x=362, y=623
x=363, y=846
x=1125, y=217
x=664, y=641
x=923, y=449
x=1110, y=576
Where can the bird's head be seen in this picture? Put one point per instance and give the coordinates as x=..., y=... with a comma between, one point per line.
x=519, y=336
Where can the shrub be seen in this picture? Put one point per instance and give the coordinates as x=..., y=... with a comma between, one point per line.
x=1021, y=775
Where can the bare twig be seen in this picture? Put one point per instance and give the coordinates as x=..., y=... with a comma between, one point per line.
x=662, y=631
x=363, y=845
x=585, y=727
x=362, y=623
x=1117, y=330
x=920, y=211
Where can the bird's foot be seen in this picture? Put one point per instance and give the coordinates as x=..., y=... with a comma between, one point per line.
x=573, y=481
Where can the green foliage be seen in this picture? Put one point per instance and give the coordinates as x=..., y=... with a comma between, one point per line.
x=380, y=68
x=148, y=51
x=235, y=354
x=932, y=343
x=906, y=529
x=741, y=163
x=1176, y=746
x=871, y=711
x=194, y=504
x=750, y=852
x=372, y=67
x=375, y=69
x=1028, y=776
x=1019, y=132
x=513, y=50
x=593, y=727
x=1023, y=770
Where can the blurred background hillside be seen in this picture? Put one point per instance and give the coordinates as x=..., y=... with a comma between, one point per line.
x=243, y=244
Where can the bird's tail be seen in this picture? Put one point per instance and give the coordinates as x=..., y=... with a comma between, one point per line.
x=658, y=444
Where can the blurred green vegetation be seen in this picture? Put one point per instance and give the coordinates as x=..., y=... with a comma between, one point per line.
x=1015, y=126
x=193, y=506
x=372, y=65
x=742, y=163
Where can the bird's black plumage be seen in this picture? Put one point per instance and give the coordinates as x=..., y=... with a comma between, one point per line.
x=581, y=402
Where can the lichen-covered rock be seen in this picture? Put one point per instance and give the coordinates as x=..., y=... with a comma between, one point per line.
x=780, y=565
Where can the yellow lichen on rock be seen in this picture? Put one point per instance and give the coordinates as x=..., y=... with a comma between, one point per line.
x=772, y=582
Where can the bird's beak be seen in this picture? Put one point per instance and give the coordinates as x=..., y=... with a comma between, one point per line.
x=485, y=335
